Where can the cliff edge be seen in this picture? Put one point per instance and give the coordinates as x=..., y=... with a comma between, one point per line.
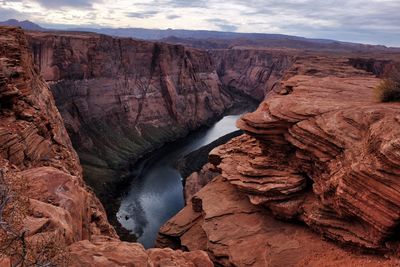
x=321, y=151
x=47, y=214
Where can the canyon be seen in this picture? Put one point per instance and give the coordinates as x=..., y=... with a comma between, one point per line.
x=121, y=98
x=311, y=182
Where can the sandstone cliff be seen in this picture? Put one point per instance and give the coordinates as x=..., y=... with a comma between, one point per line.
x=120, y=98
x=322, y=151
x=252, y=72
x=45, y=207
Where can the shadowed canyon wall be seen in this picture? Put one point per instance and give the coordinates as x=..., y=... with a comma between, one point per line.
x=48, y=215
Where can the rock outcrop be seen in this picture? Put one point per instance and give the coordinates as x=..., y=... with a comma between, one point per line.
x=321, y=151
x=109, y=252
x=338, y=170
x=222, y=221
x=45, y=207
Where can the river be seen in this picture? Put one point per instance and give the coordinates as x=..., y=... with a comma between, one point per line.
x=157, y=194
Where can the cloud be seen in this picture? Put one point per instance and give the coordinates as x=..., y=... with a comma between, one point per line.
x=180, y=3
x=173, y=16
x=142, y=15
x=372, y=21
x=223, y=25
x=8, y=13
x=66, y=3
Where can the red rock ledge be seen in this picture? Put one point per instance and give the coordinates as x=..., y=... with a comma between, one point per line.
x=321, y=152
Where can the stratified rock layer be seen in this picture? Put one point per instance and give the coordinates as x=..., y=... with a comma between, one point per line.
x=120, y=98
x=35, y=148
x=320, y=151
x=252, y=72
x=35, y=145
x=223, y=222
x=339, y=167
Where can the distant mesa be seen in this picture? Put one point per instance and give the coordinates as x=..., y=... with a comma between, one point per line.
x=204, y=39
x=26, y=24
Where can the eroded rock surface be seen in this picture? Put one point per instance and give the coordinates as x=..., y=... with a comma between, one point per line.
x=320, y=151
x=252, y=72
x=197, y=180
x=222, y=221
x=115, y=253
x=35, y=144
x=338, y=169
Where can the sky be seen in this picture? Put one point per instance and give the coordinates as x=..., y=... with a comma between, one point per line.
x=364, y=21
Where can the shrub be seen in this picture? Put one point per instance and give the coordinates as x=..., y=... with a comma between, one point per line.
x=389, y=89
x=16, y=248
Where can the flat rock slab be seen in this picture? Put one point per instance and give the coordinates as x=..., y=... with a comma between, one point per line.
x=237, y=233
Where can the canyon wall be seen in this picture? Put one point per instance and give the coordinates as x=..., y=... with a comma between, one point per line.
x=252, y=72
x=35, y=145
x=48, y=215
x=322, y=151
x=121, y=98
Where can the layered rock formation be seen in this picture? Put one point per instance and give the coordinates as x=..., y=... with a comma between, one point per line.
x=320, y=151
x=120, y=98
x=339, y=167
x=35, y=145
x=235, y=232
x=252, y=72
x=45, y=208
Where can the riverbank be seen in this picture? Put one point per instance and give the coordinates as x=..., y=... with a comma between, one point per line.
x=156, y=193
x=195, y=160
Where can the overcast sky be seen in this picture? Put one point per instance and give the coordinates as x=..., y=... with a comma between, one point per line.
x=365, y=21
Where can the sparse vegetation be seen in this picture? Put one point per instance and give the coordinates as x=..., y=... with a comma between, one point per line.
x=16, y=247
x=389, y=89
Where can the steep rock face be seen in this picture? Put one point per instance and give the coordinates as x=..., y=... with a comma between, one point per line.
x=197, y=180
x=35, y=146
x=252, y=72
x=36, y=155
x=320, y=151
x=379, y=67
x=120, y=98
